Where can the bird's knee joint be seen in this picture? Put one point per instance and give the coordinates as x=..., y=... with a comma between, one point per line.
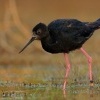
x=90, y=59
x=69, y=66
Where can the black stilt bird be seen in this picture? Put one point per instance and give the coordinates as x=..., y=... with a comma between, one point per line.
x=63, y=36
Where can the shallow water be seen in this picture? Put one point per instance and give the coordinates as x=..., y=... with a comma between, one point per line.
x=44, y=83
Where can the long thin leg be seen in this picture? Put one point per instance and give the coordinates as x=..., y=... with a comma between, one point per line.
x=90, y=64
x=67, y=69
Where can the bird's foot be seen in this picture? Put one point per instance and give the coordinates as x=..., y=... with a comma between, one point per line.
x=91, y=83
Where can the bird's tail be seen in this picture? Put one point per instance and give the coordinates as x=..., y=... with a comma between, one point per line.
x=95, y=25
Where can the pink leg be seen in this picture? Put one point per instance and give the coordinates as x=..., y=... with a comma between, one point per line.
x=90, y=64
x=67, y=69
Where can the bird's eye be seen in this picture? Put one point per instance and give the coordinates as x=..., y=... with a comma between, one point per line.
x=38, y=31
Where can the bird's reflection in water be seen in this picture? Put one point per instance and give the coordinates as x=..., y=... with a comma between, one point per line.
x=90, y=92
x=64, y=93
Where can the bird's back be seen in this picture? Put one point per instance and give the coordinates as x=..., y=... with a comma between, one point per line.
x=61, y=24
x=69, y=33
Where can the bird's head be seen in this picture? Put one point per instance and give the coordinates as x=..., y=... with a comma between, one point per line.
x=40, y=31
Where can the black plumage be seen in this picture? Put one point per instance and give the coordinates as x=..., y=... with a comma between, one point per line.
x=66, y=35
x=63, y=36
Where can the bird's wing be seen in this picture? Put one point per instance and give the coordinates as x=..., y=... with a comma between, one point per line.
x=71, y=29
x=82, y=34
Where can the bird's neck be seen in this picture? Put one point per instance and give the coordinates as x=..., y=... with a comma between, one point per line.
x=46, y=43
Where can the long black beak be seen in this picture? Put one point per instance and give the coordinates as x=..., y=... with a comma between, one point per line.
x=30, y=41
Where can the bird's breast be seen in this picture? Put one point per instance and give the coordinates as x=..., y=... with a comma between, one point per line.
x=57, y=47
